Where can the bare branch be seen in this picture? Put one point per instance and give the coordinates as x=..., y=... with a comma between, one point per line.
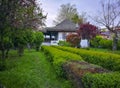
x=110, y=14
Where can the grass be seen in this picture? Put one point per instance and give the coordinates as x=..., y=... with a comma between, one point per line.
x=30, y=71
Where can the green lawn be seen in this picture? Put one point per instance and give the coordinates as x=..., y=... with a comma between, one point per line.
x=30, y=71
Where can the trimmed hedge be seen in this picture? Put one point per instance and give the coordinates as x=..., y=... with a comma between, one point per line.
x=58, y=58
x=105, y=80
x=107, y=60
x=85, y=75
x=75, y=71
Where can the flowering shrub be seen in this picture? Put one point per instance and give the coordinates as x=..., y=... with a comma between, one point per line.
x=73, y=39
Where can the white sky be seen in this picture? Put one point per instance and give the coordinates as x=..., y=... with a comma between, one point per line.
x=51, y=7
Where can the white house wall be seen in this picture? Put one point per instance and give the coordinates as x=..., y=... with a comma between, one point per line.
x=60, y=36
x=84, y=43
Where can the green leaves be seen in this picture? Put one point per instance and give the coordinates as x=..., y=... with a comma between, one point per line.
x=66, y=11
x=30, y=35
x=39, y=38
x=105, y=80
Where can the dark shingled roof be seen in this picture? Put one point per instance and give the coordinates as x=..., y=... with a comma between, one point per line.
x=66, y=26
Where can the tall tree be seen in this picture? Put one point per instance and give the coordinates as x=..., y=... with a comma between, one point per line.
x=110, y=18
x=17, y=14
x=7, y=9
x=67, y=11
x=28, y=15
x=87, y=31
x=79, y=19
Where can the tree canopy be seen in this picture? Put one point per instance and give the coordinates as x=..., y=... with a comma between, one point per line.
x=17, y=16
x=87, y=31
x=68, y=11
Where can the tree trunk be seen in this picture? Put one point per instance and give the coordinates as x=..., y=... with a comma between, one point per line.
x=2, y=64
x=2, y=47
x=29, y=46
x=88, y=42
x=115, y=41
x=6, y=54
x=20, y=50
x=3, y=54
x=37, y=48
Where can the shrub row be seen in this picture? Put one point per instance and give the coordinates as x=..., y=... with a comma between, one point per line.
x=107, y=60
x=75, y=71
x=96, y=78
x=105, y=80
x=58, y=58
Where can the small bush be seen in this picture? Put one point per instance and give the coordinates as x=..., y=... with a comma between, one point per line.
x=105, y=43
x=95, y=42
x=99, y=42
x=39, y=38
x=73, y=39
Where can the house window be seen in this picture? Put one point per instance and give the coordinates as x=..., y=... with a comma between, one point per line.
x=47, y=36
x=53, y=37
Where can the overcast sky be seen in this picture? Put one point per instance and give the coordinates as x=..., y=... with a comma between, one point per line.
x=51, y=7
